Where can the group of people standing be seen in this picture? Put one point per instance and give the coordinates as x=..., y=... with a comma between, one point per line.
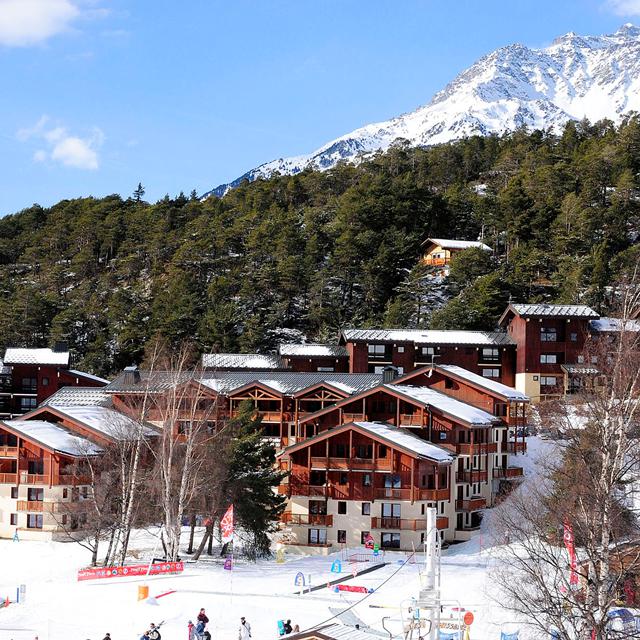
x=199, y=630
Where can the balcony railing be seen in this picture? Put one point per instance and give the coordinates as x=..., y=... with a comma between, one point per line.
x=307, y=519
x=33, y=478
x=436, y=262
x=472, y=475
x=411, y=420
x=516, y=447
x=471, y=504
x=357, y=464
x=8, y=452
x=387, y=493
x=476, y=449
x=30, y=505
x=8, y=478
x=508, y=472
x=321, y=491
x=418, y=524
x=432, y=494
x=353, y=417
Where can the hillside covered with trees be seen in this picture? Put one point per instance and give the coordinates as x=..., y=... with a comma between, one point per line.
x=317, y=252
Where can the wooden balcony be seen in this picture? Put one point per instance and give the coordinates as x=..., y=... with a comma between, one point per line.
x=356, y=464
x=471, y=504
x=307, y=519
x=8, y=478
x=516, y=447
x=472, y=475
x=353, y=417
x=411, y=420
x=508, y=472
x=431, y=494
x=33, y=478
x=321, y=491
x=476, y=449
x=30, y=505
x=402, y=524
x=435, y=262
x=8, y=452
x=387, y=493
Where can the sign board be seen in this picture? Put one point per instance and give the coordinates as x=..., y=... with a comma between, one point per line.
x=468, y=618
x=299, y=579
x=368, y=542
x=336, y=566
x=161, y=568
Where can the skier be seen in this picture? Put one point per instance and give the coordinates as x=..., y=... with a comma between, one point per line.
x=192, y=631
x=107, y=636
x=287, y=627
x=202, y=616
x=153, y=633
x=245, y=629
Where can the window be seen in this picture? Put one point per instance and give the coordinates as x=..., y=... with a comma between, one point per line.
x=342, y=536
x=594, y=359
x=400, y=371
x=400, y=349
x=84, y=492
x=13, y=519
x=428, y=351
x=490, y=354
x=500, y=409
x=45, y=382
x=26, y=404
x=382, y=451
x=548, y=381
x=390, y=510
x=344, y=478
x=339, y=450
x=29, y=385
x=364, y=451
x=327, y=369
x=35, y=467
x=35, y=495
x=366, y=479
x=317, y=536
x=392, y=481
x=448, y=383
x=443, y=435
x=376, y=350
x=363, y=537
x=14, y=492
x=573, y=337
x=580, y=359
x=64, y=518
x=342, y=508
x=491, y=373
x=318, y=507
x=34, y=521
x=390, y=540
x=548, y=334
x=65, y=493
x=548, y=358
x=366, y=508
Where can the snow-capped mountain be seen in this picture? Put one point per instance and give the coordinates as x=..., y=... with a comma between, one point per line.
x=576, y=77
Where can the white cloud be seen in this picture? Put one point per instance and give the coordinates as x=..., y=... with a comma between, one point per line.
x=62, y=147
x=28, y=22
x=624, y=7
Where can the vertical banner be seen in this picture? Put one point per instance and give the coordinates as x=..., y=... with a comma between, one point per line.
x=571, y=550
x=226, y=526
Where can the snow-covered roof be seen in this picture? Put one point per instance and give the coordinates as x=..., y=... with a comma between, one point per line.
x=480, y=381
x=288, y=383
x=88, y=376
x=14, y=355
x=104, y=420
x=313, y=350
x=455, y=408
x=554, y=310
x=241, y=361
x=53, y=436
x=428, y=337
x=78, y=396
x=614, y=324
x=446, y=243
x=407, y=440
x=579, y=369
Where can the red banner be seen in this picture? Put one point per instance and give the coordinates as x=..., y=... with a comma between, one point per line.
x=352, y=588
x=98, y=573
x=569, y=544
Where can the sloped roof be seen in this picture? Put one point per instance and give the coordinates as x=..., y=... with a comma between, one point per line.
x=78, y=397
x=241, y=361
x=552, y=311
x=14, y=355
x=313, y=350
x=429, y=337
x=455, y=408
x=491, y=385
x=614, y=324
x=402, y=438
x=53, y=437
x=88, y=376
x=446, y=243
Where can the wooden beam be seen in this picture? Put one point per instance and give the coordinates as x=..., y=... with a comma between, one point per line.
x=413, y=464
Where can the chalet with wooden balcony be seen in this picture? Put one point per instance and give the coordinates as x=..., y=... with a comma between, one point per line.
x=438, y=252
x=489, y=354
x=364, y=478
x=41, y=481
x=29, y=376
x=551, y=347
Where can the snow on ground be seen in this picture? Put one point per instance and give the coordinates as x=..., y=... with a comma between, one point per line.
x=58, y=607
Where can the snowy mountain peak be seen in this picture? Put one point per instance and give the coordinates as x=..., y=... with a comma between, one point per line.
x=575, y=77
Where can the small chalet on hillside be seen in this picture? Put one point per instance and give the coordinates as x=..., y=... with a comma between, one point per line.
x=437, y=252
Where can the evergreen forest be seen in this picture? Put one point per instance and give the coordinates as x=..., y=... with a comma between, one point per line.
x=304, y=256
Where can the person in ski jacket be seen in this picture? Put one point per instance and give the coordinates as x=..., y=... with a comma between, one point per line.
x=287, y=627
x=245, y=629
x=107, y=636
x=202, y=617
x=153, y=633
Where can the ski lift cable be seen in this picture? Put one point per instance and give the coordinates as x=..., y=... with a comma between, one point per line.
x=355, y=604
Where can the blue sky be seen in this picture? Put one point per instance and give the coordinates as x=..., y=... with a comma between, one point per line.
x=99, y=95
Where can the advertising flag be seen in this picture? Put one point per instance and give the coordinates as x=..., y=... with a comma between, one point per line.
x=569, y=544
x=226, y=525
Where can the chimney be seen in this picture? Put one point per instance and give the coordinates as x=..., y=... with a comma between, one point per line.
x=61, y=347
x=131, y=375
x=389, y=374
